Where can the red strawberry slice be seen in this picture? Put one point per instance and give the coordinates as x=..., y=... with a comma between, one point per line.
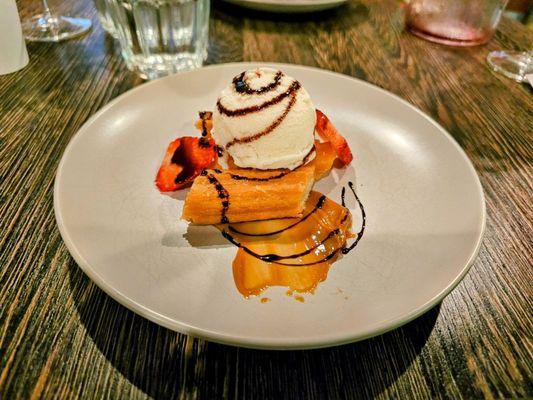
x=185, y=159
x=328, y=132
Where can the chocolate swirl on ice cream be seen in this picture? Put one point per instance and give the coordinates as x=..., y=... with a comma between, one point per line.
x=241, y=85
x=291, y=91
x=265, y=120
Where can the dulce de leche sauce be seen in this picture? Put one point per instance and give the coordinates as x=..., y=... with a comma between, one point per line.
x=295, y=253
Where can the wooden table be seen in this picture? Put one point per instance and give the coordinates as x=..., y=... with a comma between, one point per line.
x=60, y=336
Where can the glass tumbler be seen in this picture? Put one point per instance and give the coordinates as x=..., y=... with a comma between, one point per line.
x=161, y=37
x=454, y=22
x=105, y=17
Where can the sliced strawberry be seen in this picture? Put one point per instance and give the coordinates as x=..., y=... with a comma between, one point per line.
x=328, y=132
x=185, y=159
x=166, y=176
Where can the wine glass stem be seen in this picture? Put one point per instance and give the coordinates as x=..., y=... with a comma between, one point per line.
x=46, y=12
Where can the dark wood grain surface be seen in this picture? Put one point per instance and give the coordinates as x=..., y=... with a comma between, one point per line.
x=62, y=337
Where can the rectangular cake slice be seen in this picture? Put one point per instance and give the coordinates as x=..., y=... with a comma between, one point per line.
x=240, y=195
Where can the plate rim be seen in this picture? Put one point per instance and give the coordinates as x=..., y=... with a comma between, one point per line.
x=259, y=342
x=281, y=6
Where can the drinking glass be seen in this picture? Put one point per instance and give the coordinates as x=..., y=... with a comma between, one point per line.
x=454, y=22
x=160, y=37
x=104, y=17
x=513, y=64
x=48, y=27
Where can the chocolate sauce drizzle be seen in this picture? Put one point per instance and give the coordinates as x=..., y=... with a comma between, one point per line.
x=241, y=86
x=275, y=258
x=251, y=109
x=318, y=205
x=269, y=128
x=188, y=169
x=269, y=178
x=346, y=250
x=256, y=179
x=204, y=116
x=204, y=142
x=291, y=90
x=222, y=193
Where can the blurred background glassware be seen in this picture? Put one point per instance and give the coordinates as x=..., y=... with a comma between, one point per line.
x=161, y=37
x=104, y=17
x=13, y=54
x=454, y=22
x=513, y=64
x=49, y=27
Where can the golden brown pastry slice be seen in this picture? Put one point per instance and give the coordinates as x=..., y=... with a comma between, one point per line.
x=239, y=195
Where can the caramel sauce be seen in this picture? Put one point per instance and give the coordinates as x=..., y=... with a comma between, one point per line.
x=324, y=159
x=293, y=253
x=299, y=298
x=318, y=205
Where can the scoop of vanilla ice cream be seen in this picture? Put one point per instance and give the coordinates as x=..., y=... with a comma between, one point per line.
x=265, y=120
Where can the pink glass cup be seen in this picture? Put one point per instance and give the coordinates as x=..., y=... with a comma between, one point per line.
x=454, y=22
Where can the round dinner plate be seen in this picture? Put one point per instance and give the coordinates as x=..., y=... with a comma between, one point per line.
x=424, y=204
x=288, y=6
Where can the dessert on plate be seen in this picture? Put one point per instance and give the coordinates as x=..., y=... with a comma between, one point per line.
x=251, y=173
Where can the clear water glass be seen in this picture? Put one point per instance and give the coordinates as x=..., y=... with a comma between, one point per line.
x=161, y=37
x=105, y=18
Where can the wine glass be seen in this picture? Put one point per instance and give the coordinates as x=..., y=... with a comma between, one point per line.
x=47, y=27
x=513, y=64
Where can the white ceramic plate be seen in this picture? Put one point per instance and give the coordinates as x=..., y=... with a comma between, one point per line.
x=288, y=6
x=424, y=203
